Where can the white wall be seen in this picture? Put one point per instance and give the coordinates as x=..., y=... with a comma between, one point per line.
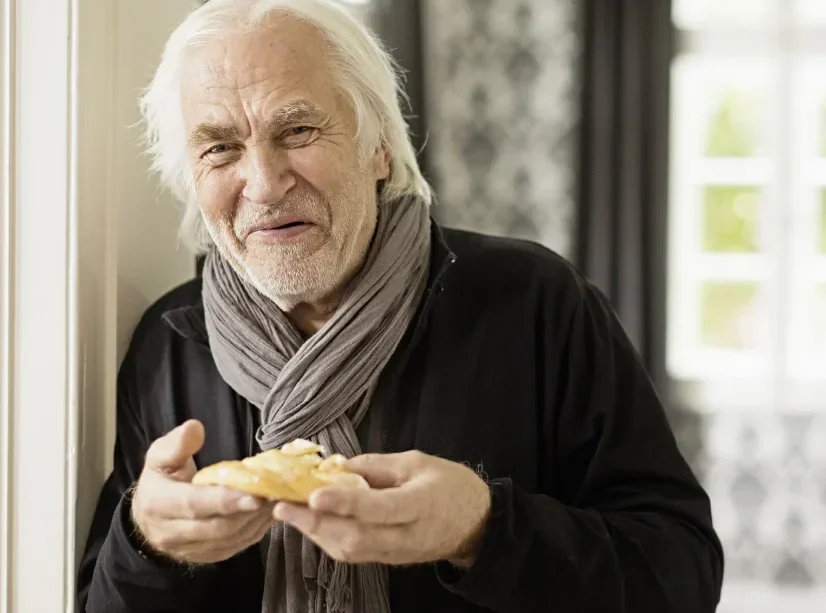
x=85, y=245
x=145, y=256
x=57, y=287
x=149, y=260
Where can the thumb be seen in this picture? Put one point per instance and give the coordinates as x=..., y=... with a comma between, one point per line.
x=173, y=451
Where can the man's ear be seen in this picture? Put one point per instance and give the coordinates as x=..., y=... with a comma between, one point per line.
x=381, y=164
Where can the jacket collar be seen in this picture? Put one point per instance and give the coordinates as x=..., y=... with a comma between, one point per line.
x=189, y=320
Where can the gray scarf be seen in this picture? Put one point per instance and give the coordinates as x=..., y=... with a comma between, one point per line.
x=320, y=389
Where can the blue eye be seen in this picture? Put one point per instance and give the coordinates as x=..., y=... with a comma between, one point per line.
x=299, y=130
x=219, y=149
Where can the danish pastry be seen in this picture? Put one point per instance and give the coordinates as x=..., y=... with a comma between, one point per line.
x=291, y=473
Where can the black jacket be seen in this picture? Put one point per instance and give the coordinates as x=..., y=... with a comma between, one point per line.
x=514, y=364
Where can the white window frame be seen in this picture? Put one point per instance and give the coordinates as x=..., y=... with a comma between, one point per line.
x=810, y=177
x=57, y=289
x=714, y=380
x=5, y=300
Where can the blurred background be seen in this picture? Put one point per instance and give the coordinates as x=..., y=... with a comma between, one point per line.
x=675, y=150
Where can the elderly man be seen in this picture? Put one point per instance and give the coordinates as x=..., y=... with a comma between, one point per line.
x=518, y=457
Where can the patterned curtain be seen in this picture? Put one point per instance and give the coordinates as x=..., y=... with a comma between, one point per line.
x=501, y=83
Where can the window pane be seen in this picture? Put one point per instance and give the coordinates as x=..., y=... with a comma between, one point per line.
x=721, y=108
x=703, y=13
x=734, y=128
x=730, y=316
x=823, y=221
x=730, y=218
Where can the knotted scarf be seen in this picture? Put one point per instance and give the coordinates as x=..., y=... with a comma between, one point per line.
x=320, y=388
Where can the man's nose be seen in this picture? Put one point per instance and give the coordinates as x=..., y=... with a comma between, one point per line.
x=268, y=176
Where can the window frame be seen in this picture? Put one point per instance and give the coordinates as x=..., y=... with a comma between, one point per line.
x=58, y=286
x=711, y=380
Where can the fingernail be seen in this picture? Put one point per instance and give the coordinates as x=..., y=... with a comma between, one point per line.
x=322, y=500
x=248, y=503
x=315, y=500
x=282, y=512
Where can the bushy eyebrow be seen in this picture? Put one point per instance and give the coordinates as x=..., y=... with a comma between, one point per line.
x=296, y=112
x=300, y=111
x=206, y=133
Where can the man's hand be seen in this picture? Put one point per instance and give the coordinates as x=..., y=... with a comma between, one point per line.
x=189, y=523
x=422, y=509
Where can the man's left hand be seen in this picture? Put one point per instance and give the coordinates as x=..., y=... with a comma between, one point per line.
x=420, y=509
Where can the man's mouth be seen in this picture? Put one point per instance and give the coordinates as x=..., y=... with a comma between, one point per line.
x=291, y=224
x=280, y=230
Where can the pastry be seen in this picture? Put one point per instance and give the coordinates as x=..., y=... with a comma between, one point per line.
x=291, y=473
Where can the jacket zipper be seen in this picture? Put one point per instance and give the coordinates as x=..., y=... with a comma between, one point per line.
x=434, y=289
x=250, y=433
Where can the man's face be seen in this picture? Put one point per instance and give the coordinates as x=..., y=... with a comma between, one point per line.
x=277, y=174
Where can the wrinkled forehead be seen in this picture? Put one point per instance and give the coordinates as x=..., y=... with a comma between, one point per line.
x=285, y=58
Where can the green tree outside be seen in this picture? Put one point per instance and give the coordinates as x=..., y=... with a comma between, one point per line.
x=731, y=219
x=734, y=127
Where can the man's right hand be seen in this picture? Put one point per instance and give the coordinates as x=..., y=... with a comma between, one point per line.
x=190, y=523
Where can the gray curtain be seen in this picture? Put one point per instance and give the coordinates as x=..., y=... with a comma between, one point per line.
x=399, y=23
x=623, y=182
x=621, y=238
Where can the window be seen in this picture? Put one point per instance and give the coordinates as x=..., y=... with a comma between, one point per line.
x=747, y=235
x=746, y=337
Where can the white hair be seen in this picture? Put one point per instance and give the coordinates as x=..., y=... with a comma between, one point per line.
x=366, y=73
